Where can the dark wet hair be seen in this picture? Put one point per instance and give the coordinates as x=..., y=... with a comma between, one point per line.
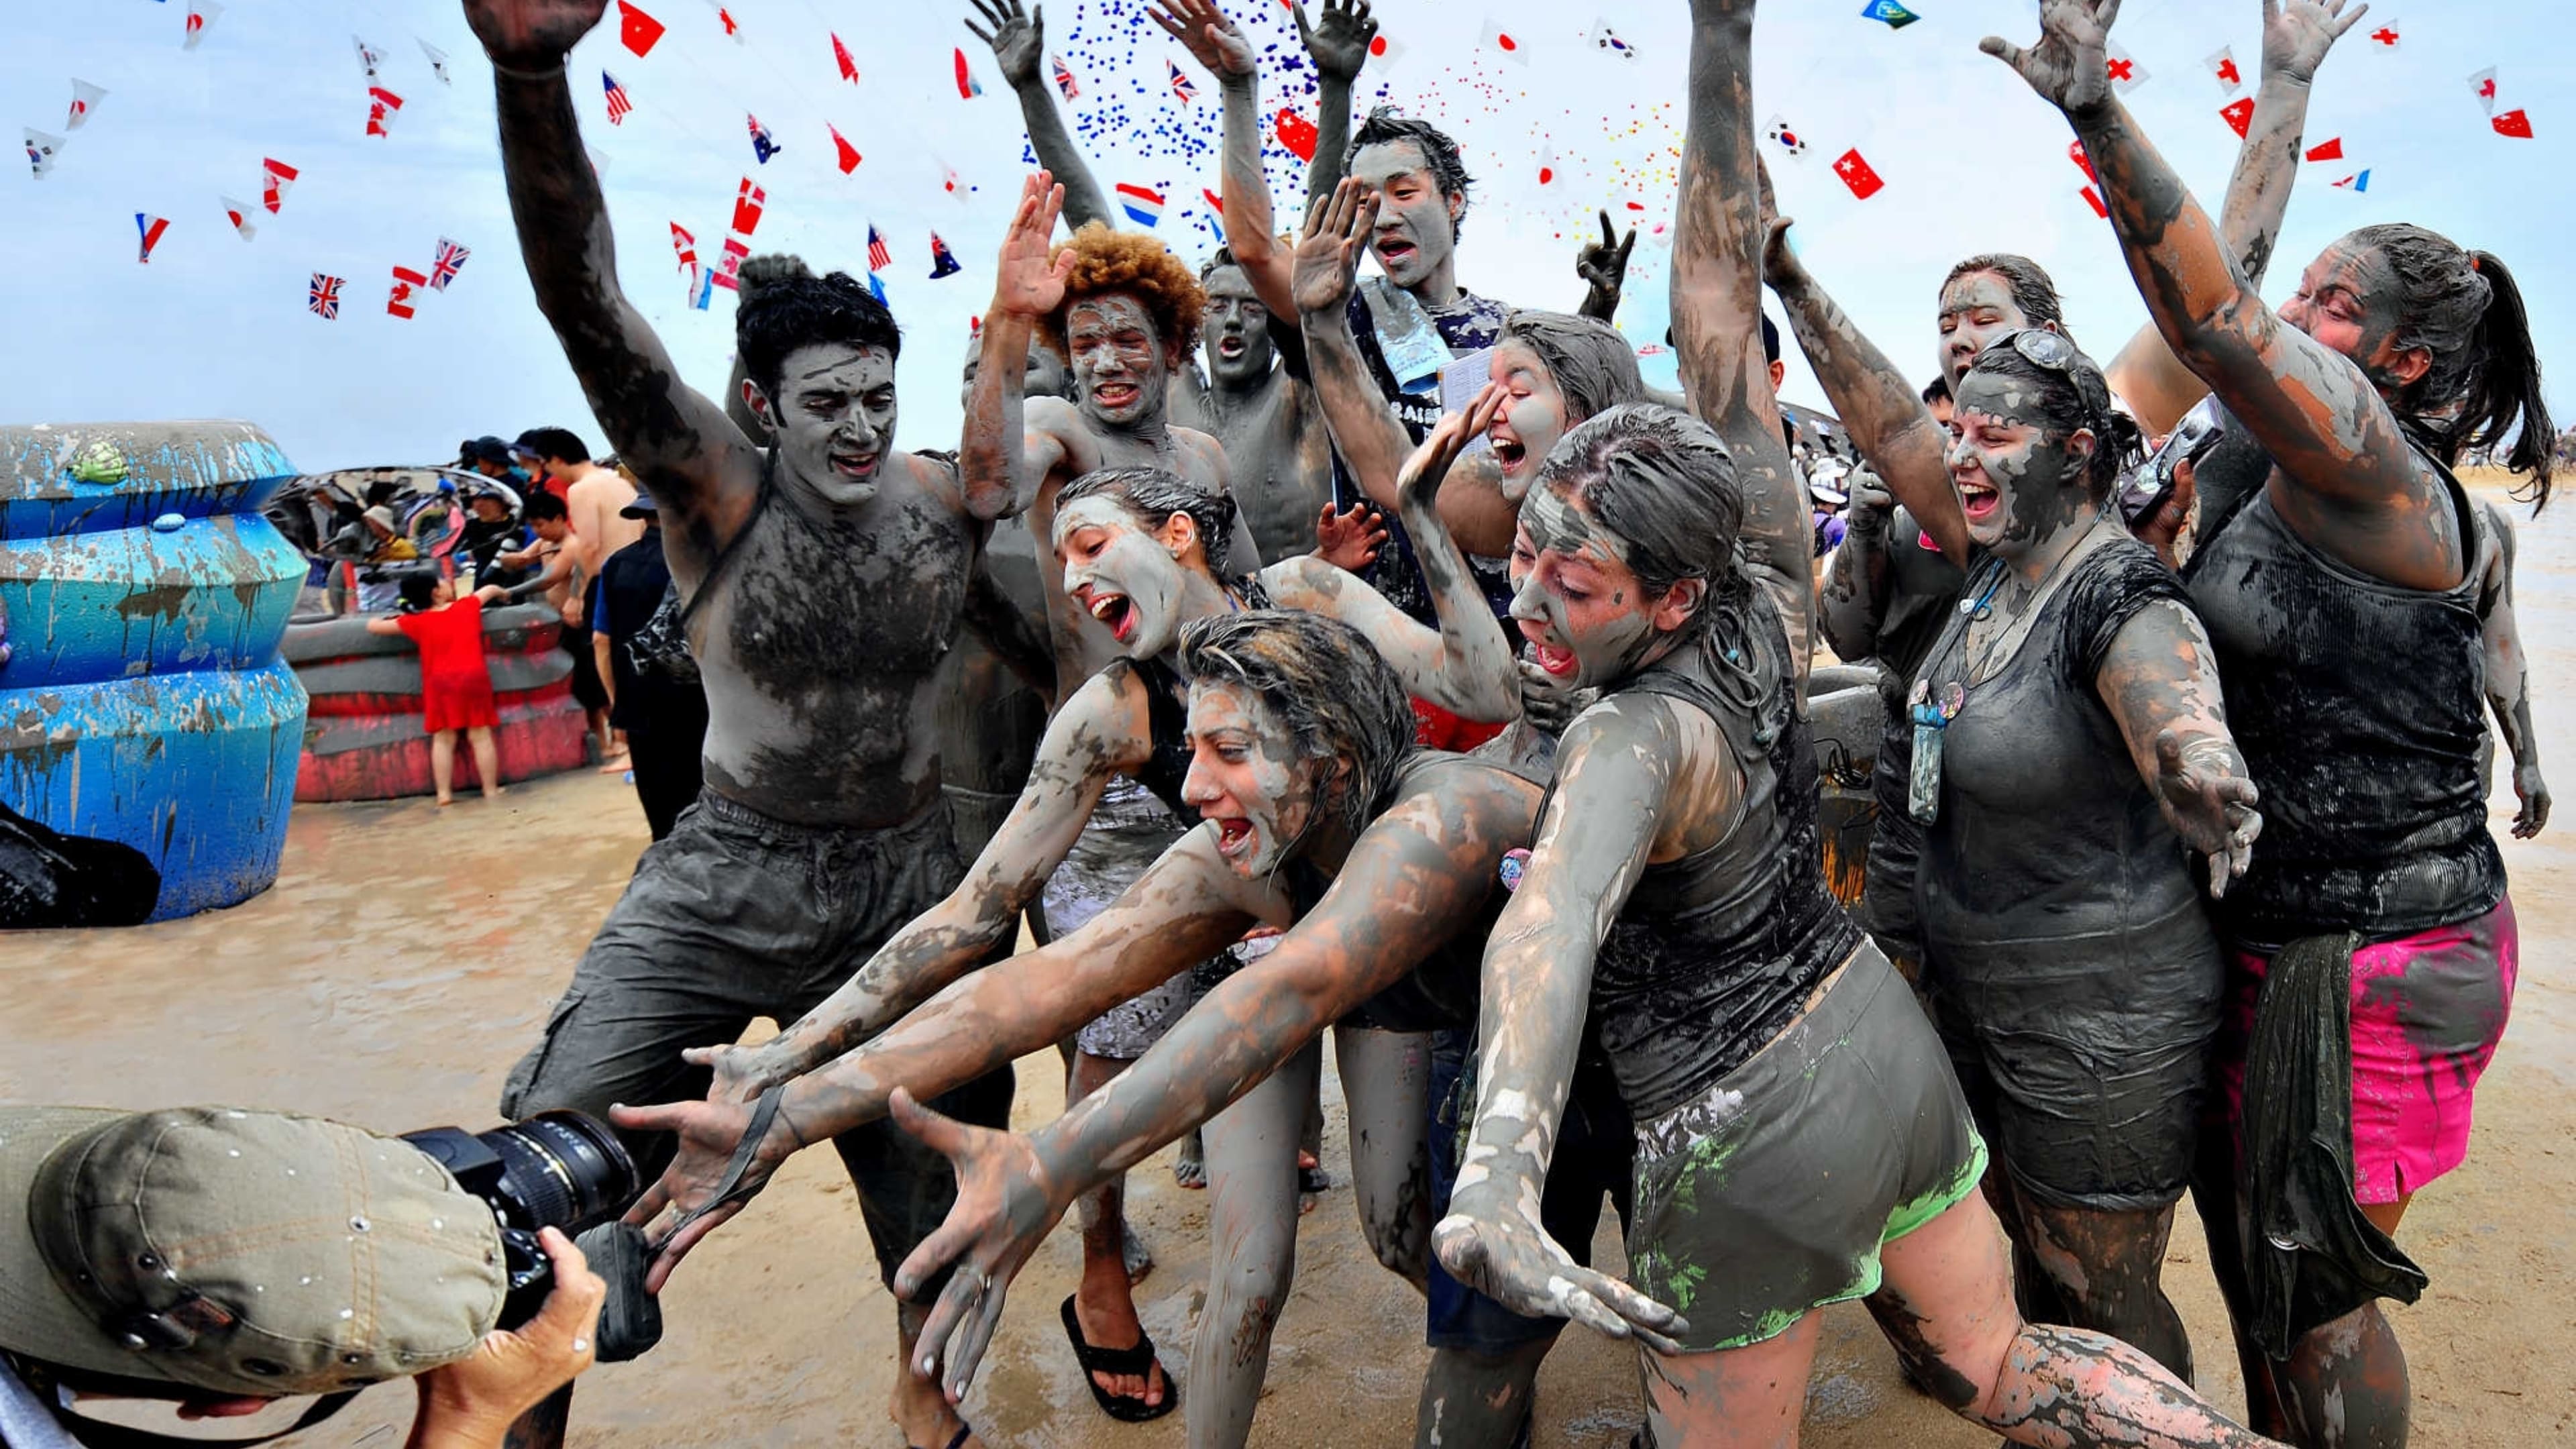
x=2077, y=398
x=2465, y=310
x=1663, y=483
x=2033, y=290
x=1323, y=680
x=1592, y=363
x=791, y=312
x=1387, y=126
x=419, y=591
x=542, y=503
x=1153, y=495
x=561, y=444
x=769, y=269
x=1937, y=390
x=1770, y=340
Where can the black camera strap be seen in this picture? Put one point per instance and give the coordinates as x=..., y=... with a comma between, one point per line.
x=47, y=1382
x=729, y=1188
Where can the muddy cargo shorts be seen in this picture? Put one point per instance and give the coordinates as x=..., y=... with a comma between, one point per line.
x=1771, y=1194
x=735, y=916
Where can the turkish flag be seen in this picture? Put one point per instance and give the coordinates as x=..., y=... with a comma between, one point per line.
x=1857, y=175
x=2515, y=123
x=2239, y=114
x=2327, y=150
x=1297, y=134
x=637, y=30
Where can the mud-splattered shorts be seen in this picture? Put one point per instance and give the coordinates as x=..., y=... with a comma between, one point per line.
x=1128, y=831
x=2427, y=1012
x=733, y=916
x=1771, y=1196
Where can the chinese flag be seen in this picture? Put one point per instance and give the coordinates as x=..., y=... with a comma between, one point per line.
x=2240, y=115
x=2515, y=123
x=849, y=153
x=2075, y=153
x=2327, y=150
x=636, y=29
x=1857, y=175
x=1297, y=134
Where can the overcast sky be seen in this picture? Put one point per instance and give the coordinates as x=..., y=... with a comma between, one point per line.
x=215, y=326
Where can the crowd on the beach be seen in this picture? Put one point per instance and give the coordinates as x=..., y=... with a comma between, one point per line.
x=1271, y=698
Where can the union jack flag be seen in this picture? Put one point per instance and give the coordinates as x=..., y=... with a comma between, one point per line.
x=323, y=298
x=618, y=104
x=1182, y=85
x=1064, y=80
x=879, y=257
x=451, y=260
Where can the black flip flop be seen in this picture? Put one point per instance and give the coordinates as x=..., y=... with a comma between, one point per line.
x=1138, y=1361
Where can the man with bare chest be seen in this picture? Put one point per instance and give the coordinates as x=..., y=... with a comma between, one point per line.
x=822, y=583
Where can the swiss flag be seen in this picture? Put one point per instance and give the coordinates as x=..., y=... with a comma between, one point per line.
x=849, y=153
x=638, y=31
x=1297, y=133
x=2515, y=123
x=2239, y=114
x=1857, y=175
x=2330, y=150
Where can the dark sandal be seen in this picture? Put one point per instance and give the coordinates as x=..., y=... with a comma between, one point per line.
x=1139, y=1361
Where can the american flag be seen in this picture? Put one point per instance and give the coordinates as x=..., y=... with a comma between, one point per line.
x=451, y=260
x=879, y=258
x=324, y=297
x=618, y=104
x=1182, y=86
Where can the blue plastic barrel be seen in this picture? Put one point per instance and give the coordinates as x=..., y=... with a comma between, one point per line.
x=148, y=727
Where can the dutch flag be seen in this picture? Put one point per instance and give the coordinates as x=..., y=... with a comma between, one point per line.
x=1146, y=207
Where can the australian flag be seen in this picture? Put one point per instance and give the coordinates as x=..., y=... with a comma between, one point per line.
x=323, y=297
x=1896, y=16
x=762, y=144
x=880, y=256
x=618, y=104
x=451, y=260
x=941, y=263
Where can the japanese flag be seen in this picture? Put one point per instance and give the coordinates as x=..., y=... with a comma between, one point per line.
x=1504, y=43
x=2126, y=74
x=1385, y=52
x=85, y=99
x=1547, y=165
x=239, y=214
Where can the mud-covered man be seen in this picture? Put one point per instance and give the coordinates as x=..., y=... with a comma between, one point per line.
x=823, y=583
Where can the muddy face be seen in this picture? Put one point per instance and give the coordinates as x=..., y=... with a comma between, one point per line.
x=833, y=416
x=1121, y=374
x=1236, y=332
x=1532, y=419
x=1417, y=226
x=1975, y=310
x=2018, y=482
x=1247, y=778
x=1577, y=602
x=2347, y=299
x=1123, y=574
x=1045, y=377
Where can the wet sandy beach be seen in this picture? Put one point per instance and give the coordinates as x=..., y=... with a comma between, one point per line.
x=408, y=955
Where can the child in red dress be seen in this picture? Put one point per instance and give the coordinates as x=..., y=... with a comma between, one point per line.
x=455, y=687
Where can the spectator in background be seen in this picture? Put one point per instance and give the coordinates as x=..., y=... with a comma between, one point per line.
x=493, y=459
x=455, y=684
x=664, y=717
x=386, y=543
x=1936, y=396
x=546, y=558
x=592, y=496
x=491, y=529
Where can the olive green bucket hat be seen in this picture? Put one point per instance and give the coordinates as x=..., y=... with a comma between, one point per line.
x=236, y=1252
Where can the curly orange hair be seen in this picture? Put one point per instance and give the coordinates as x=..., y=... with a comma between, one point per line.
x=1129, y=264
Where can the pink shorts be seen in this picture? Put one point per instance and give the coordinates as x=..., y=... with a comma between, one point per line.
x=2427, y=1012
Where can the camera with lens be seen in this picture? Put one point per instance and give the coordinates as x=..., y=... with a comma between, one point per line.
x=563, y=1170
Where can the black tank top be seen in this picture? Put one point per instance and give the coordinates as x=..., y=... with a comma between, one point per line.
x=2360, y=707
x=1716, y=953
x=2045, y=832
x=1167, y=714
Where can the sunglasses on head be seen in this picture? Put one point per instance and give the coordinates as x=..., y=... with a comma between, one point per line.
x=2039, y=345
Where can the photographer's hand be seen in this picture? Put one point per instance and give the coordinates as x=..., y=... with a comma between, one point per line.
x=710, y=1133
x=470, y=1404
x=1006, y=1205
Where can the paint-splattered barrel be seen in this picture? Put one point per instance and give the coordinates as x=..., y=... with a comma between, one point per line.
x=148, y=730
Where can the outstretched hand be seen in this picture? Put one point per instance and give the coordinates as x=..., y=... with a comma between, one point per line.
x=2210, y=802
x=1340, y=45
x=1328, y=255
x=1349, y=538
x=1417, y=483
x=2070, y=66
x=1018, y=39
x=1005, y=1208
x=709, y=1134
x=531, y=34
x=741, y=1073
x=2533, y=792
x=1603, y=265
x=1872, y=504
x=2298, y=33
x=1215, y=41
x=1027, y=282
x=1515, y=1263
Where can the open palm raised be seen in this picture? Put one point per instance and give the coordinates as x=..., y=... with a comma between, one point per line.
x=531, y=32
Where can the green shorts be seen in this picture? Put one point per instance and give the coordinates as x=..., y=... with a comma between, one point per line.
x=1771, y=1196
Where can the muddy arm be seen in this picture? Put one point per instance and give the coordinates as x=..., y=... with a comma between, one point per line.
x=2508, y=678
x=1018, y=40
x=1000, y=461
x=2159, y=679
x=1851, y=605
x=1717, y=312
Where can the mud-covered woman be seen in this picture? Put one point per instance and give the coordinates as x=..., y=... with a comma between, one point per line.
x=2068, y=745
x=2340, y=597
x=1381, y=862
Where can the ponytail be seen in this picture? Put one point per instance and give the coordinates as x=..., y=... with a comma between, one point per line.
x=2509, y=388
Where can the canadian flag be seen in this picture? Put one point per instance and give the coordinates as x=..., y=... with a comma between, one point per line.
x=381, y=106
x=275, y=177
x=2223, y=66
x=401, y=303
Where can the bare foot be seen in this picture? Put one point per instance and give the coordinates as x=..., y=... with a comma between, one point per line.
x=617, y=764
x=446, y=800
